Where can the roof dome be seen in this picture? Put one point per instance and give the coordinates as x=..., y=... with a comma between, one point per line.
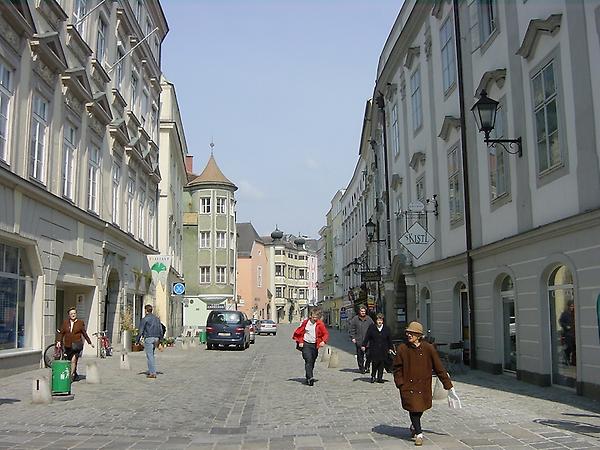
x=299, y=241
x=276, y=234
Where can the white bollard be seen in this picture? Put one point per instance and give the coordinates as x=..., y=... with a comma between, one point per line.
x=193, y=343
x=40, y=391
x=124, y=361
x=326, y=354
x=92, y=374
x=184, y=345
x=334, y=360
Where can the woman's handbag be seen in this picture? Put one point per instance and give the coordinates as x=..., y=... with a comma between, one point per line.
x=298, y=347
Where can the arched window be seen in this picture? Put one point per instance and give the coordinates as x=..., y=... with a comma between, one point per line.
x=561, y=297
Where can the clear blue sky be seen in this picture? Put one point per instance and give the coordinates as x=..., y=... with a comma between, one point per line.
x=281, y=86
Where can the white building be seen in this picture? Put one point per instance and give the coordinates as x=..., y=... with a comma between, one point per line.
x=535, y=219
x=172, y=159
x=78, y=166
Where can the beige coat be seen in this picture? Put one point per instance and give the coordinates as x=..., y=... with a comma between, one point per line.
x=412, y=375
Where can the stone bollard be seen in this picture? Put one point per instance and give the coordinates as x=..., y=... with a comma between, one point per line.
x=326, y=354
x=193, y=344
x=40, y=391
x=124, y=361
x=334, y=360
x=184, y=345
x=92, y=374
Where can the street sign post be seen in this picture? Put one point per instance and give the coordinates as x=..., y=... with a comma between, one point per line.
x=417, y=240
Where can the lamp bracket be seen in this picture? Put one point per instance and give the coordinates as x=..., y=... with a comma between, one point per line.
x=506, y=144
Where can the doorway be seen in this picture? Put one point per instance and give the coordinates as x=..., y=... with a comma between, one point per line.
x=509, y=325
x=465, y=335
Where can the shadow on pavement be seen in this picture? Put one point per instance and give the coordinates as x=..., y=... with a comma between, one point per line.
x=298, y=380
x=9, y=401
x=389, y=430
x=586, y=429
x=350, y=370
x=508, y=383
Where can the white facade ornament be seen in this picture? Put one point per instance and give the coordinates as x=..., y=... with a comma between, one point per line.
x=416, y=159
x=536, y=27
x=411, y=54
x=497, y=76
x=449, y=123
x=9, y=34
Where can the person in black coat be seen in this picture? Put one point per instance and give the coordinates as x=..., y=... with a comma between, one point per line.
x=379, y=341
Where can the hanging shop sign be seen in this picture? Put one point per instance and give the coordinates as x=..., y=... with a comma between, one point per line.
x=370, y=275
x=417, y=240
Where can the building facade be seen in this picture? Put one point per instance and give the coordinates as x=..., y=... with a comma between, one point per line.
x=173, y=153
x=209, y=243
x=524, y=241
x=253, y=296
x=78, y=167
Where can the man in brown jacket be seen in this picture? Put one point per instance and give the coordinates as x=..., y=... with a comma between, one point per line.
x=412, y=374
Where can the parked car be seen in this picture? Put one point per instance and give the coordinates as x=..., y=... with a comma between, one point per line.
x=227, y=328
x=267, y=327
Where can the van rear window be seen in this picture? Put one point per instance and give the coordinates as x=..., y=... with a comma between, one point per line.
x=225, y=317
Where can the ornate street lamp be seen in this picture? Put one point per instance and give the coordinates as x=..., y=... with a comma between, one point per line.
x=370, y=227
x=485, y=111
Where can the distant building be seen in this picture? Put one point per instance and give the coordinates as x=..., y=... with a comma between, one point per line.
x=209, y=243
x=253, y=274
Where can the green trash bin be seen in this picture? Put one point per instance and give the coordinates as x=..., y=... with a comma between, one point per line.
x=61, y=377
x=202, y=337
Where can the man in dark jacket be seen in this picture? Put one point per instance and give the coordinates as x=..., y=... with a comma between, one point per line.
x=357, y=327
x=151, y=331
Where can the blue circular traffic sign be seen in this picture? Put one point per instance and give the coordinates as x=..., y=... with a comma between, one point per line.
x=178, y=288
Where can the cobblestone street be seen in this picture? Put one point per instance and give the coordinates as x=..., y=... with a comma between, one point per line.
x=256, y=399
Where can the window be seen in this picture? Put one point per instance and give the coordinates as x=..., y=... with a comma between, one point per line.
x=221, y=205
x=138, y=9
x=395, y=130
x=498, y=162
x=79, y=11
x=39, y=130
x=454, y=191
x=93, y=178
x=259, y=276
x=130, y=199
x=302, y=274
x=133, y=92
x=205, y=239
x=115, y=191
x=69, y=151
x=204, y=274
x=5, y=96
x=144, y=108
x=278, y=291
x=221, y=274
x=279, y=252
x=153, y=123
x=13, y=296
x=420, y=185
x=141, y=215
x=415, y=98
x=447, y=46
x=487, y=12
x=151, y=221
x=300, y=293
x=221, y=239
x=148, y=26
x=232, y=207
x=205, y=205
x=546, y=119
x=279, y=270
x=120, y=69
x=101, y=41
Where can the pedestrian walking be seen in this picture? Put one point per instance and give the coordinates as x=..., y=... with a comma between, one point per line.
x=413, y=365
x=71, y=335
x=310, y=336
x=357, y=328
x=567, y=323
x=151, y=331
x=379, y=341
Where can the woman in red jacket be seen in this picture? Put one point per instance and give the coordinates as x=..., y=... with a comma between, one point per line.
x=310, y=336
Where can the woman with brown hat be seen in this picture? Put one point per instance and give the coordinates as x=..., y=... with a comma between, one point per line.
x=413, y=364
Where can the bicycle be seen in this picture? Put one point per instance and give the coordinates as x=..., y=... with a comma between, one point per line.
x=52, y=353
x=104, y=346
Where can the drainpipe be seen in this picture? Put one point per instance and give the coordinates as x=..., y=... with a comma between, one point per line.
x=465, y=170
x=381, y=104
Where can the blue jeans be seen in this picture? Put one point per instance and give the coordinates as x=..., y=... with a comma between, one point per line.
x=149, y=349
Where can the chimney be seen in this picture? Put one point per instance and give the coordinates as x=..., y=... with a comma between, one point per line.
x=189, y=163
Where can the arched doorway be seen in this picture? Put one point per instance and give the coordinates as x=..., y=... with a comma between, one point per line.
x=509, y=325
x=111, y=300
x=562, y=327
x=464, y=320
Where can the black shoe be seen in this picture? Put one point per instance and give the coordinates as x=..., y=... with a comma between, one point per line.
x=380, y=381
x=372, y=379
x=311, y=382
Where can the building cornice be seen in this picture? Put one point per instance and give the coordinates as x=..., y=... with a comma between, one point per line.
x=550, y=26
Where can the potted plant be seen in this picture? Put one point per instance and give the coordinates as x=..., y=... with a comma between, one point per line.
x=135, y=347
x=127, y=327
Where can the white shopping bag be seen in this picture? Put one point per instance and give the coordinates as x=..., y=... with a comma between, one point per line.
x=453, y=400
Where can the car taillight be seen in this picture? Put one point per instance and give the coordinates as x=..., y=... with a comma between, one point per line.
x=239, y=329
x=209, y=329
